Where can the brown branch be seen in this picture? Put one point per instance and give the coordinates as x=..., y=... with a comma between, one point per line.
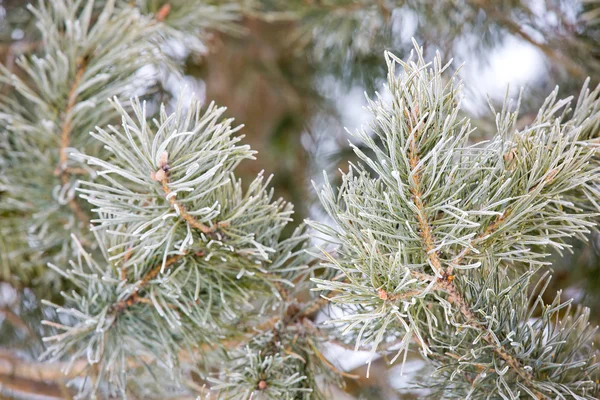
x=497, y=224
x=15, y=320
x=193, y=222
x=417, y=195
x=473, y=322
x=283, y=292
x=318, y=304
x=328, y=364
x=480, y=367
x=162, y=176
x=135, y=297
x=77, y=171
x=10, y=365
x=27, y=389
x=446, y=283
x=404, y=295
x=65, y=139
x=32, y=372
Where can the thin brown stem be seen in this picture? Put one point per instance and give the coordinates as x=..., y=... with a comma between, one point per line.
x=283, y=292
x=11, y=365
x=193, y=222
x=318, y=304
x=15, y=320
x=445, y=281
x=424, y=227
x=472, y=321
x=405, y=295
x=135, y=297
x=328, y=364
x=417, y=196
x=62, y=171
x=27, y=389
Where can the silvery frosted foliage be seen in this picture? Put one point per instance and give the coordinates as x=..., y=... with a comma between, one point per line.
x=57, y=99
x=168, y=184
x=433, y=233
x=254, y=368
x=89, y=51
x=189, y=258
x=281, y=362
x=115, y=339
x=553, y=342
x=188, y=21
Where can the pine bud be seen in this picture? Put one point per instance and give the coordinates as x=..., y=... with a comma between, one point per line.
x=163, y=12
x=164, y=159
x=159, y=175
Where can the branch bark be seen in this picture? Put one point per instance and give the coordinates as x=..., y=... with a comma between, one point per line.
x=62, y=170
x=417, y=195
x=445, y=280
x=135, y=297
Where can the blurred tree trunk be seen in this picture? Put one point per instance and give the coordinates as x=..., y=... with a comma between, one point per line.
x=267, y=86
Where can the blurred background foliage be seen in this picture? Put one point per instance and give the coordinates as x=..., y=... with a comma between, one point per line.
x=294, y=72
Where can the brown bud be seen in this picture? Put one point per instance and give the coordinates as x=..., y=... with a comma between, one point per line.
x=509, y=156
x=164, y=159
x=159, y=175
x=262, y=385
x=163, y=12
x=382, y=294
x=551, y=175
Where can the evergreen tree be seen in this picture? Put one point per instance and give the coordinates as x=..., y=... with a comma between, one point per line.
x=164, y=276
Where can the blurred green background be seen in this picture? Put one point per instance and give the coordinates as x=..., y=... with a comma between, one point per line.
x=295, y=74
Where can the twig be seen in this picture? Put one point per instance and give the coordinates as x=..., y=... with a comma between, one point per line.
x=134, y=297
x=193, y=222
x=417, y=195
x=15, y=320
x=162, y=176
x=28, y=389
x=283, y=292
x=472, y=321
x=405, y=295
x=445, y=280
x=329, y=364
x=318, y=304
x=10, y=365
x=65, y=138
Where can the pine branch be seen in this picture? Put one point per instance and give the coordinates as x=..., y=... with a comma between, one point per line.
x=62, y=170
x=471, y=319
x=444, y=277
x=179, y=207
x=417, y=193
x=134, y=297
x=488, y=210
x=160, y=187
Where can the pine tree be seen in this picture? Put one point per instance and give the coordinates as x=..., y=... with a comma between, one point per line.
x=165, y=276
x=440, y=240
